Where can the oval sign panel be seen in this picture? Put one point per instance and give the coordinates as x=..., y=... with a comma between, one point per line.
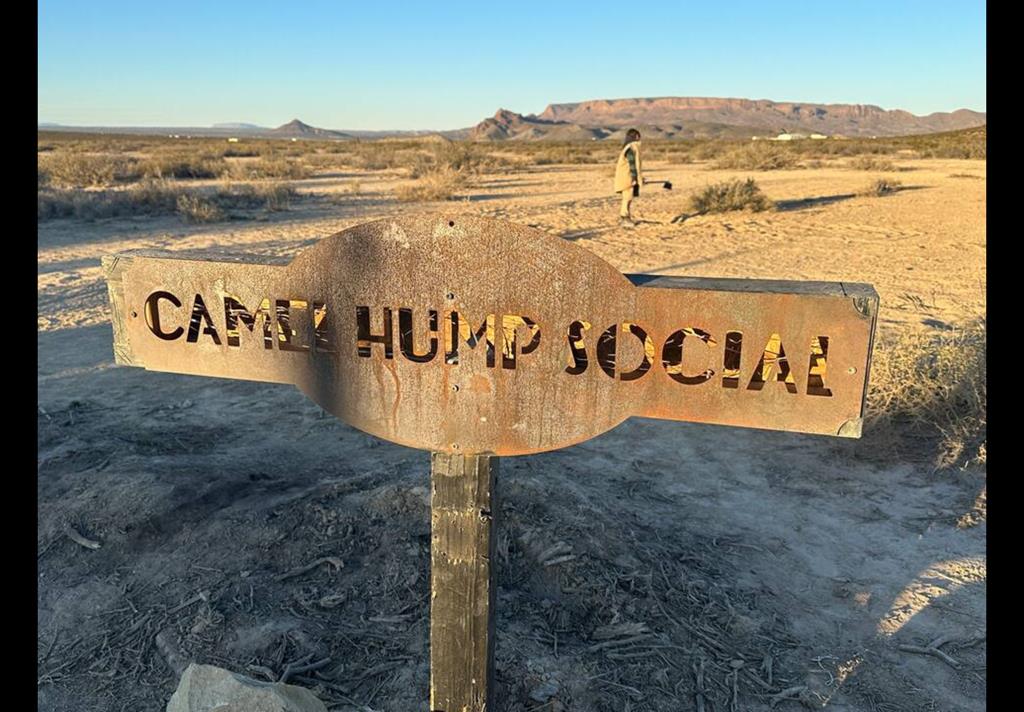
x=463, y=334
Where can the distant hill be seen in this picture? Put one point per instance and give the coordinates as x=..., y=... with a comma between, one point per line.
x=689, y=117
x=298, y=129
x=507, y=124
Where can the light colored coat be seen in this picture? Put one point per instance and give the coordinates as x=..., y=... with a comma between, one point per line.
x=623, y=177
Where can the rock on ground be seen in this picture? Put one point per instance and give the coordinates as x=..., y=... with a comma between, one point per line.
x=207, y=688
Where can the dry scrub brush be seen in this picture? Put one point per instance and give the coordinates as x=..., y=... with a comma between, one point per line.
x=570, y=153
x=759, y=156
x=62, y=169
x=202, y=208
x=269, y=168
x=728, y=196
x=927, y=397
x=163, y=197
x=443, y=169
x=871, y=163
x=882, y=186
x=184, y=165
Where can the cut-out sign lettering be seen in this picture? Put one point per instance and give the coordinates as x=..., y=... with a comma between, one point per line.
x=464, y=334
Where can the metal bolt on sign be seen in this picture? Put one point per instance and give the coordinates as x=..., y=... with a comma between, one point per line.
x=476, y=338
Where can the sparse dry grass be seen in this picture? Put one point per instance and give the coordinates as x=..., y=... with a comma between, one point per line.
x=927, y=397
x=728, y=196
x=438, y=184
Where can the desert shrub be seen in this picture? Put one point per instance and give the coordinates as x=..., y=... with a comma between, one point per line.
x=269, y=168
x=462, y=157
x=439, y=184
x=75, y=170
x=710, y=150
x=420, y=164
x=185, y=166
x=296, y=149
x=52, y=204
x=570, y=154
x=198, y=209
x=927, y=396
x=377, y=156
x=730, y=195
x=971, y=144
x=975, y=150
x=882, y=186
x=275, y=197
x=377, y=162
x=241, y=151
x=162, y=197
x=330, y=160
x=150, y=197
x=871, y=163
x=758, y=156
x=337, y=147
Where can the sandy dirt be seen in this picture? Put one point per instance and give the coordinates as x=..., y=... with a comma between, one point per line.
x=711, y=568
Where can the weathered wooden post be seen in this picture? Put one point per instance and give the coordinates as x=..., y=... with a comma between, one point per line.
x=462, y=513
x=476, y=338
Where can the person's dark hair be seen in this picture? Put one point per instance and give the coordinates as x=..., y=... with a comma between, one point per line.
x=631, y=136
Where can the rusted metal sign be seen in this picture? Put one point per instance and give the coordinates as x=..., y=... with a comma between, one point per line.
x=467, y=335
x=475, y=338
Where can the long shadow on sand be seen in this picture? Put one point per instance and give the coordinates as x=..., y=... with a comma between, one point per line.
x=802, y=203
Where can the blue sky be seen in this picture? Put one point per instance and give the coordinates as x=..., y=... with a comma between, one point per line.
x=444, y=65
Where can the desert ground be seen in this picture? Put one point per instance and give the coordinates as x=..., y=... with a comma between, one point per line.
x=660, y=566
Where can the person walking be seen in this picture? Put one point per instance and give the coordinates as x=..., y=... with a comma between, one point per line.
x=628, y=176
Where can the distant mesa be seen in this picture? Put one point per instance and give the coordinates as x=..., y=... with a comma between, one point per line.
x=239, y=125
x=608, y=119
x=705, y=117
